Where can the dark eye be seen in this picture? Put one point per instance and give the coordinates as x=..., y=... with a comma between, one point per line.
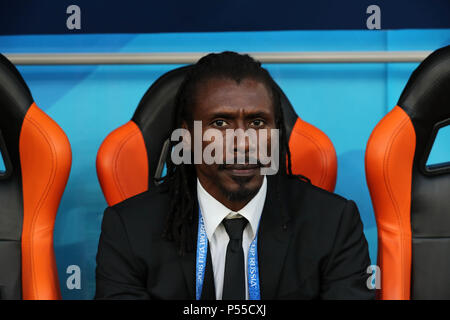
x=220, y=123
x=257, y=123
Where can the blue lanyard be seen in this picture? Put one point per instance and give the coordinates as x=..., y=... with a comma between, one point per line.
x=202, y=250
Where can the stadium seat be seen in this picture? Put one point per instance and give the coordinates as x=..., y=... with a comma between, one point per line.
x=132, y=155
x=411, y=199
x=37, y=160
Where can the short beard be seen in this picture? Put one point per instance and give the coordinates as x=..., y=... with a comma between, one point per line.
x=243, y=194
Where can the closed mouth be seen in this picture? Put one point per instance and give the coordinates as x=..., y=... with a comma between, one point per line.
x=241, y=166
x=242, y=169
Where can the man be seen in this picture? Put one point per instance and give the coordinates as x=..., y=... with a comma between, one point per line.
x=224, y=230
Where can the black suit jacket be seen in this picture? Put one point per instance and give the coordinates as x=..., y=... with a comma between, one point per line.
x=310, y=245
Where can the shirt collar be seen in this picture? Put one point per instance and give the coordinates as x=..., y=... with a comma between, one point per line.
x=214, y=212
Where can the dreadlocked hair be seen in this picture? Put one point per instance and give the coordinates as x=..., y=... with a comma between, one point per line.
x=181, y=179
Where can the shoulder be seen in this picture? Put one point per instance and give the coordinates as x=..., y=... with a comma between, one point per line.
x=143, y=210
x=297, y=191
x=307, y=203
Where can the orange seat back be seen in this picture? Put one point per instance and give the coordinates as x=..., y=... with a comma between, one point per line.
x=410, y=198
x=37, y=158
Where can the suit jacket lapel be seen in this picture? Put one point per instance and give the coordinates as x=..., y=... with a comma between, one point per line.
x=208, y=290
x=188, y=265
x=273, y=240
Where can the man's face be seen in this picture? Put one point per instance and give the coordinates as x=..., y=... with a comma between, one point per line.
x=223, y=104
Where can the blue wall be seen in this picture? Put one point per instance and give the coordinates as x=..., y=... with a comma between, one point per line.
x=344, y=100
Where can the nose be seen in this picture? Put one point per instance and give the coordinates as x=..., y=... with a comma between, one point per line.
x=242, y=145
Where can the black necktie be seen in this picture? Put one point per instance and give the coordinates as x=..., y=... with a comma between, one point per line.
x=234, y=277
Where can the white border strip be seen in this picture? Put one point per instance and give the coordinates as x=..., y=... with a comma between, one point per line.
x=192, y=57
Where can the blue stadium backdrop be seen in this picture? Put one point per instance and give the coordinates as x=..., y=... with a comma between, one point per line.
x=344, y=100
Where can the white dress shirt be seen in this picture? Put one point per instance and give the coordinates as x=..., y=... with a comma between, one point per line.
x=213, y=213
